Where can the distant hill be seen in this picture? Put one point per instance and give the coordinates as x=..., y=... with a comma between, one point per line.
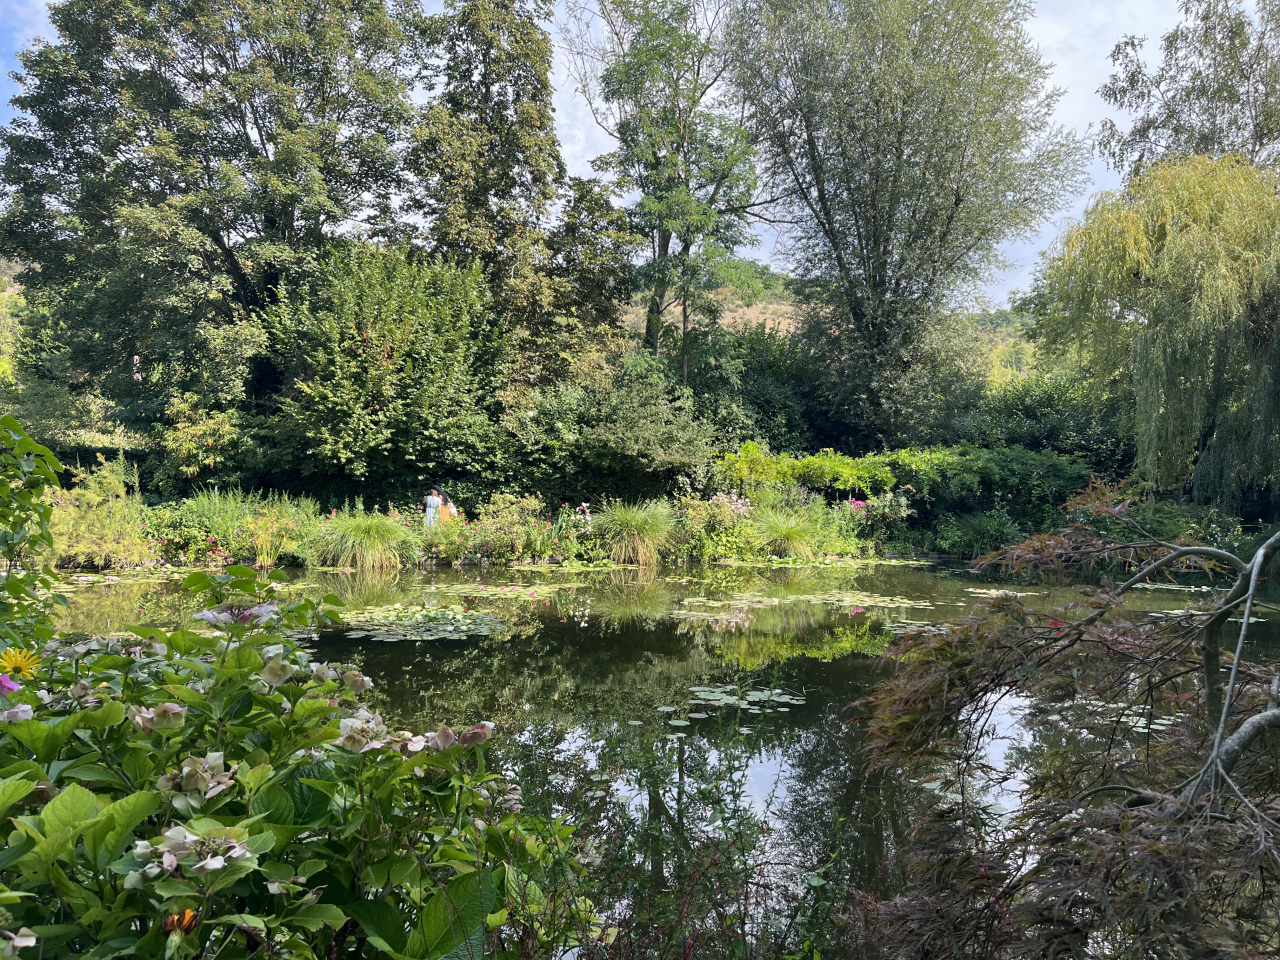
x=763, y=296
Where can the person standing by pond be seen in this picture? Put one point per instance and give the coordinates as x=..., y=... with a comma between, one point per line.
x=431, y=507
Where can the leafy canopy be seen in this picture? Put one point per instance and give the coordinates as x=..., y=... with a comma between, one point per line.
x=1170, y=284
x=171, y=160
x=907, y=141
x=1215, y=91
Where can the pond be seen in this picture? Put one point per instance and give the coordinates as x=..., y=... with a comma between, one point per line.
x=695, y=721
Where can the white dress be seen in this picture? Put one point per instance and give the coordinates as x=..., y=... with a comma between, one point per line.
x=433, y=509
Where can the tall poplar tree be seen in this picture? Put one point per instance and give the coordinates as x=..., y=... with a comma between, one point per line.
x=653, y=72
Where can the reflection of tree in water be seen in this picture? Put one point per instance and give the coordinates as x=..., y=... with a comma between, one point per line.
x=707, y=843
x=110, y=606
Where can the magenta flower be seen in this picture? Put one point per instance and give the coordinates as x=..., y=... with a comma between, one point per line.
x=7, y=685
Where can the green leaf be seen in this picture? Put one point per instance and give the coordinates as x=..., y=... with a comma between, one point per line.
x=172, y=888
x=274, y=804
x=454, y=918
x=244, y=919
x=55, y=933
x=239, y=570
x=108, y=715
x=12, y=790
x=318, y=915
x=118, y=947
x=73, y=806
x=126, y=813
x=44, y=740
x=253, y=780
x=380, y=919
x=470, y=949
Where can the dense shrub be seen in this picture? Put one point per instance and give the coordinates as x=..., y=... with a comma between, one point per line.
x=101, y=522
x=714, y=529
x=923, y=486
x=1056, y=414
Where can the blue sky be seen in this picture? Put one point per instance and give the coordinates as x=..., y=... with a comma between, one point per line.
x=1075, y=35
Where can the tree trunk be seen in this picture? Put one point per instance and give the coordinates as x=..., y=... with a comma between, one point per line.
x=1211, y=667
x=684, y=341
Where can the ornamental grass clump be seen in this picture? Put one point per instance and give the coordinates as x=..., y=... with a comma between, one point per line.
x=364, y=541
x=636, y=533
x=785, y=533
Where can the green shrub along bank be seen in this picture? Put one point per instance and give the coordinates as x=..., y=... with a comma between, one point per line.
x=959, y=500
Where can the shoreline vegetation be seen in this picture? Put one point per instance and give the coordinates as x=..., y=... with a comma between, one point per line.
x=756, y=507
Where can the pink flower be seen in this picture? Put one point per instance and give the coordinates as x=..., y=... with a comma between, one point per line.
x=477, y=734
x=7, y=685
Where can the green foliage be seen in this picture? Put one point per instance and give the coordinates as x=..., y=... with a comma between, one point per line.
x=714, y=529
x=364, y=541
x=154, y=259
x=652, y=70
x=1164, y=290
x=636, y=533
x=485, y=153
x=507, y=528
x=618, y=429
x=923, y=485
x=1056, y=413
x=200, y=794
x=900, y=103
x=974, y=534
x=101, y=521
x=27, y=471
x=1213, y=93
x=382, y=354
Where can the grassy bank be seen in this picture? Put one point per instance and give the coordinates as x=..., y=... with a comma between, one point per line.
x=952, y=500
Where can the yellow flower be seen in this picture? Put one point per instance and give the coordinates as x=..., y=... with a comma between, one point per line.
x=18, y=662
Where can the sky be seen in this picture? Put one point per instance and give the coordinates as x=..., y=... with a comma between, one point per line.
x=1075, y=35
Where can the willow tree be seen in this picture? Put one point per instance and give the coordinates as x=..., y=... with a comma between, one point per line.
x=1171, y=287
x=908, y=140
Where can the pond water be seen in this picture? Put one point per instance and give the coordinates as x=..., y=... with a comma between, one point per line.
x=676, y=714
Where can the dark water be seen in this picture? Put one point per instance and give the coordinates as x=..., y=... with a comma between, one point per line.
x=590, y=677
